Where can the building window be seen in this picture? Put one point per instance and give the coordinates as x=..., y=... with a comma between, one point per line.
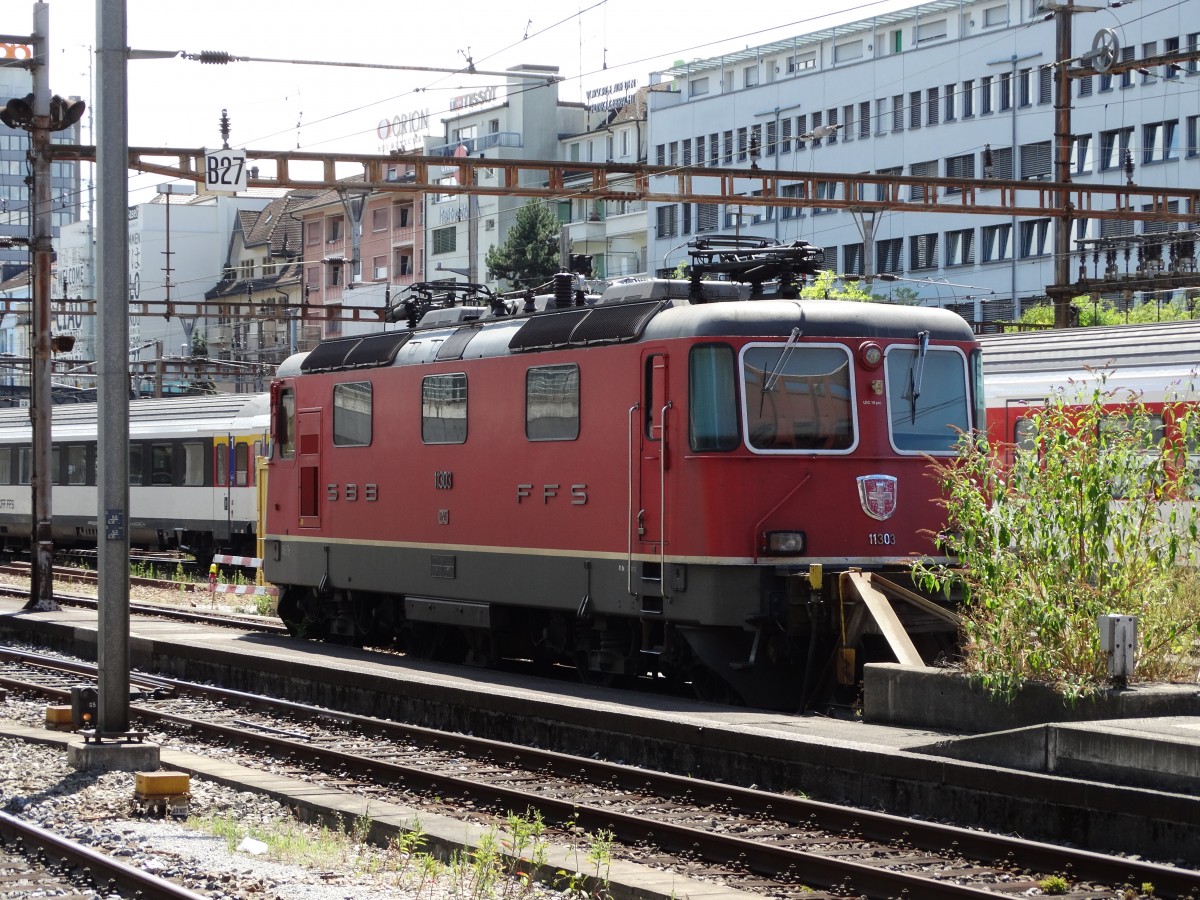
x=1025, y=87
x=864, y=119
x=914, y=109
x=996, y=241
x=333, y=229
x=444, y=409
x=960, y=167
x=668, y=220
x=995, y=15
x=1035, y=238
x=898, y=112
x=881, y=190
x=750, y=76
x=312, y=233
x=930, y=31
x=1081, y=154
x=950, y=100
x=699, y=86
x=801, y=128
x=889, y=256
x=921, y=170
x=1193, y=136
x=742, y=144
x=445, y=240
x=1006, y=91
x=923, y=251
x=847, y=51
x=831, y=117
x=931, y=111
x=785, y=135
x=852, y=258
x=848, y=118
x=792, y=192
x=985, y=95
x=379, y=268
x=660, y=154
x=708, y=217
x=352, y=414
x=960, y=247
x=379, y=219
x=1159, y=141
x=1035, y=161
x=1045, y=84
x=727, y=145
x=772, y=140
x=1085, y=86
x=1170, y=48
x=802, y=61
x=1128, y=55
x=1113, y=145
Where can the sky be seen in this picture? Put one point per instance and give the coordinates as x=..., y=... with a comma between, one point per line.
x=283, y=106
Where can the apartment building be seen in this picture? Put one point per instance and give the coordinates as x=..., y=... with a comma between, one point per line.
x=951, y=88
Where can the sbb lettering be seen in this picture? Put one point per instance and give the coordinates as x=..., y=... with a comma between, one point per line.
x=351, y=492
x=551, y=492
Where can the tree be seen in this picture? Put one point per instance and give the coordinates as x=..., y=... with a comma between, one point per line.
x=529, y=255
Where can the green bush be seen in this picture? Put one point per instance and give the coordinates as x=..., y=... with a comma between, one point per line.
x=1089, y=519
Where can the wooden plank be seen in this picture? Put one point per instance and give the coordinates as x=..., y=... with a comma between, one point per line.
x=916, y=600
x=885, y=617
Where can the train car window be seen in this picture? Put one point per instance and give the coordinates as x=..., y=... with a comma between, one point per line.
x=137, y=474
x=552, y=403
x=162, y=464
x=798, y=397
x=285, y=423
x=712, y=398
x=193, y=463
x=24, y=465
x=1147, y=429
x=77, y=471
x=55, y=467
x=1024, y=434
x=927, y=398
x=241, y=463
x=5, y=465
x=352, y=414
x=444, y=409
x=222, y=465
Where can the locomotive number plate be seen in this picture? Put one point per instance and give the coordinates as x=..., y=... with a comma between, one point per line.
x=881, y=539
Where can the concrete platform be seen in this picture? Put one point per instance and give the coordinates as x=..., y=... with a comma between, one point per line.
x=930, y=772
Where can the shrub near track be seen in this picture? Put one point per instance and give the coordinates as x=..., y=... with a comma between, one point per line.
x=1089, y=519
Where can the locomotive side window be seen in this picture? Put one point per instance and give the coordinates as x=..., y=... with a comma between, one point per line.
x=712, y=398
x=444, y=409
x=285, y=423
x=352, y=414
x=162, y=467
x=552, y=403
x=798, y=397
x=193, y=463
x=136, y=473
x=927, y=398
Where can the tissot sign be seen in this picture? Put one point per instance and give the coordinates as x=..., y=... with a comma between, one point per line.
x=475, y=98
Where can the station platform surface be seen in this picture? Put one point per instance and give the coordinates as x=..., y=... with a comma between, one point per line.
x=1116, y=785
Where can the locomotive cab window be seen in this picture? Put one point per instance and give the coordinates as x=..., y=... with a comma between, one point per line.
x=352, y=414
x=285, y=423
x=552, y=403
x=798, y=397
x=444, y=409
x=712, y=398
x=928, y=403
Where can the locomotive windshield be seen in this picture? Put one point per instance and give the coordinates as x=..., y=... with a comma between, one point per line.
x=927, y=398
x=798, y=397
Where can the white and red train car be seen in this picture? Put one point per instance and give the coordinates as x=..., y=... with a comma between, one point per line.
x=1158, y=363
x=661, y=482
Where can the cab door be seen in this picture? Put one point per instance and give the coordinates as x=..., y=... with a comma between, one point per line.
x=652, y=521
x=308, y=462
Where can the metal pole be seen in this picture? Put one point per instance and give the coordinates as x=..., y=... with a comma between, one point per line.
x=112, y=365
x=1062, y=165
x=40, y=400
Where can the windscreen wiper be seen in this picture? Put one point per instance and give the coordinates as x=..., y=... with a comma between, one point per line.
x=917, y=374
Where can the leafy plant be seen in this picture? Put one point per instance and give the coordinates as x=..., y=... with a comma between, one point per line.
x=1089, y=519
x=529, y=255
x=1054, y=884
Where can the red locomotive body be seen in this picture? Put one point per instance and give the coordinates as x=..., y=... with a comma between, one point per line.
x=658, y=484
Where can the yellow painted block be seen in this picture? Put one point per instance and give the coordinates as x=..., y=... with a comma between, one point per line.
x=59, y=714
x=161, y=784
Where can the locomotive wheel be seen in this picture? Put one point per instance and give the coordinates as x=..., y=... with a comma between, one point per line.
x=293, y=616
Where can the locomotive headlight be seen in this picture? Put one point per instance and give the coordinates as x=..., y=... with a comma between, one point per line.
x=784, y=543
x=871, y=355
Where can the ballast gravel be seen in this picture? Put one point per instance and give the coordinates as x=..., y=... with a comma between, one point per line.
x=98, y=809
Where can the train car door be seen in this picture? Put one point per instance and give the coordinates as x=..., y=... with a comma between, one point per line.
x=308, y=462
x=651, y=522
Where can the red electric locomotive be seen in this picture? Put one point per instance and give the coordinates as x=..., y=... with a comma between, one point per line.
x=658, y=482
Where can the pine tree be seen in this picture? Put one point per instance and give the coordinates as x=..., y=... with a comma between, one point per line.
x=529, y=255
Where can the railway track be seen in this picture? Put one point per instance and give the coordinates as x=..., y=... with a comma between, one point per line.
x=35, y=862
x=772, y=844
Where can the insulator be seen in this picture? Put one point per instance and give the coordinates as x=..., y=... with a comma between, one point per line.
x=214, y=58
x=564, y=288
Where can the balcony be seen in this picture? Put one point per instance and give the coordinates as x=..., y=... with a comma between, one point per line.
x=475, y=146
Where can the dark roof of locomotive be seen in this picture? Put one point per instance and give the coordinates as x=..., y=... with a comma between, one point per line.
x=608, y=323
